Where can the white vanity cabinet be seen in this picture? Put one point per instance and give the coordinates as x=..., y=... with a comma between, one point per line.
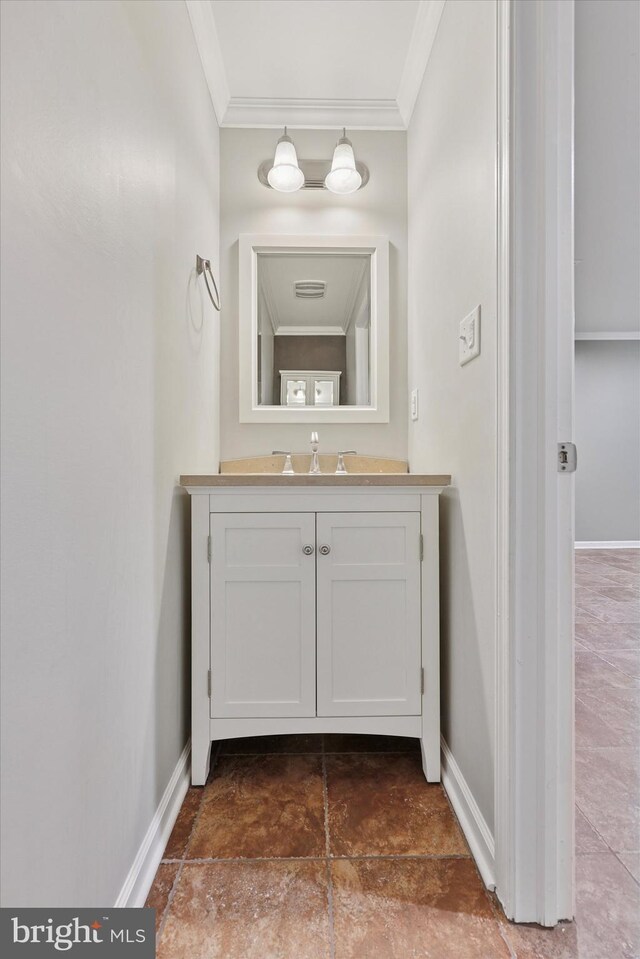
x=314, y=609
x=369, y=657
x=263, y=614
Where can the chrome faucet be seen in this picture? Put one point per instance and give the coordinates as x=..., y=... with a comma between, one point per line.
x=315, y=463
x=341, y=469
x=288, y=465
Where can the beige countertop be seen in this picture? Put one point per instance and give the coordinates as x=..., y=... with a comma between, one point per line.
x=323, y=479
x=362, y=470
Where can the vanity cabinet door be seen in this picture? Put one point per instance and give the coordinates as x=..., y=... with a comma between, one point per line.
x=263, y=630
x=369, y=641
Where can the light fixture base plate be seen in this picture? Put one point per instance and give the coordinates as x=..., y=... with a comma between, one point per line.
x=314, y=171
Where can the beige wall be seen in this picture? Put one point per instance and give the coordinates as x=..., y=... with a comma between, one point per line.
x=249, y=207
x=452, y=269
x=109, y=391
x=607, y=165
x=607, y=239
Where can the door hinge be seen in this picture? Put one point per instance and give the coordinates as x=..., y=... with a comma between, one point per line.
x=422, y=681
x=209, y=684
x=567, y=457
x=208, y=549
x=421, y=547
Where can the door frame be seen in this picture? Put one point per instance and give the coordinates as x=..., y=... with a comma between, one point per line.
x=534, y=772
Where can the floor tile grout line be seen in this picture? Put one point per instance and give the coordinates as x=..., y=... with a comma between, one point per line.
x=501, y=920
x=174, y=887
x=579, y=692
x=612, y=649
x=437, y=856
x=595, y=829
x=624, y=866
x=605, y=622
x=327, y=847
x=620, y=649
x=172, y=893
x=616, y=853
x=332, y=930
x=325, y=804
x=329, y=752
x=613, y=665
x=612, y=584
x=502, y=932
x=427, y=857
x=604, y=582
x=598, y=590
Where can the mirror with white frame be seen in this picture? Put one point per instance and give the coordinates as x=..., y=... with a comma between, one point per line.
x=314, y=329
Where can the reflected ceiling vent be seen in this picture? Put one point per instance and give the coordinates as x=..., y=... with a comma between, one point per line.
x=309, y=289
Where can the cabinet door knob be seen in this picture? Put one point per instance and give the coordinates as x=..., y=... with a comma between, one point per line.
x=307, y=550
x=325, y=550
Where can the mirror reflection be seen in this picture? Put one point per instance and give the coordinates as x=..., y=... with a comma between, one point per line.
x=314, y=328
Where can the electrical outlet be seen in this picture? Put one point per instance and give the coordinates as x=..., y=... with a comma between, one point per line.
x=414, y=404
x=469, y=338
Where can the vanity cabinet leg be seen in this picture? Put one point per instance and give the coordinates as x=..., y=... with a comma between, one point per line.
x=430, y=750
x=200, y=761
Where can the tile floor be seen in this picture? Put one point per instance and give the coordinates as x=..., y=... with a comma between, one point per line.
x=335, y=847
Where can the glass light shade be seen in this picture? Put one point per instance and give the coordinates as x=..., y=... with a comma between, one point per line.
x=343, y=176
x=324, y=393
x=285, y=175
x=296, y=392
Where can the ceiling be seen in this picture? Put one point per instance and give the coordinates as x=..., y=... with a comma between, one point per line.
x=314, y=63
x=314, y=49
x=345, y=278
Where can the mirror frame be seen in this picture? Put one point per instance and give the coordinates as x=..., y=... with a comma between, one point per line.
x=249, y=246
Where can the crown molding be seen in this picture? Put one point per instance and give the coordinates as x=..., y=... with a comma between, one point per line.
x=308, y=114
x=204, y=29
x=274, y=113
x=310, y=331
x=422, y=40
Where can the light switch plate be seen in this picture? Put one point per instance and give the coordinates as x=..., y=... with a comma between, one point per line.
x=469, y=341
x=414, y=405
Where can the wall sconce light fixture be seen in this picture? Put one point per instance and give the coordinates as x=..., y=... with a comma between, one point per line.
x=285, y=175
x=343, y=177
x=342, y=174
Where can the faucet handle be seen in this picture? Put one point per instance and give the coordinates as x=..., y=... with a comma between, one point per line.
x=341, y=469
x=288, y=465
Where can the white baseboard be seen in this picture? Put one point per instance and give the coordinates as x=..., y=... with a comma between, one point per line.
x=141, y=875
x=610, y=544
x=473, y=823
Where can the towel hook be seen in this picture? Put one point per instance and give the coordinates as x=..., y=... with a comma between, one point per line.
x=204, y=266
